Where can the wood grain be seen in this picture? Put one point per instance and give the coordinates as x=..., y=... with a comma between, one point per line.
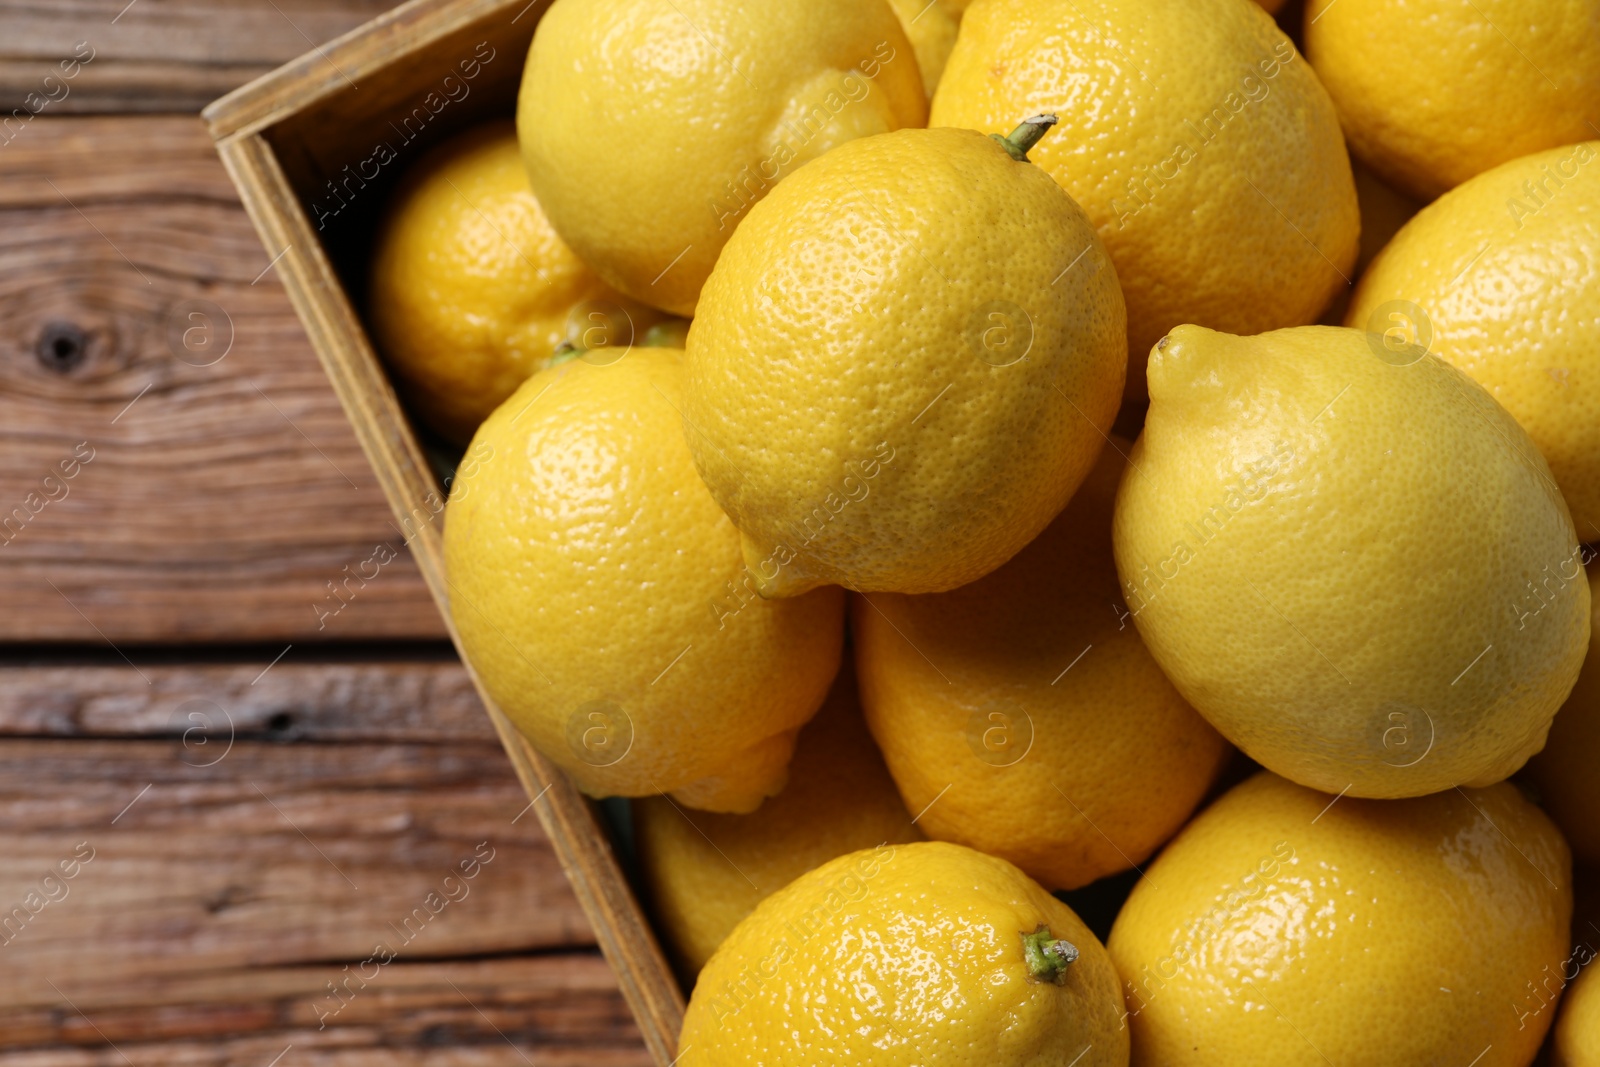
x=160, y=55
x=229, y=502
x=417, y=694
x=552, y=1011
x=221, y=879
x=274, y=854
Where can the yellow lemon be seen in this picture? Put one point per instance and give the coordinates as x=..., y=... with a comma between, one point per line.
x=1501, y=277
x=1288, y=927
x=1433, y=92
x=903, y=364
x=589, y=576
x=1194, y=135
x=1565, y=772
x=472, y=290
x=650, y=127
x=931, y=26
x=1021, y=714
x=925, y=954
x=1350, y=559
x=705, y=872
x=1577, y=1035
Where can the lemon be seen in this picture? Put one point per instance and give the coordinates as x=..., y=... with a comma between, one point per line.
x=598, y=593
x=1350, y=559
x=903, y=364
x=1577, y=1033
x=928, y=954
x=1021, y=714
x=1288, y=927
x=1565, y=771
x=472, y=290
x=931, y=27
x=1195, y=136
x=650, y=127
x=1501, y=277
x=1433, y=92
x=705, y=872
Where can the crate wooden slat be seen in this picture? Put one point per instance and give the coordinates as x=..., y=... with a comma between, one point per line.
x=283, y=139
x=221, y=503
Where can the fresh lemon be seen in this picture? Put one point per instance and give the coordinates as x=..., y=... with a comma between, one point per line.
x=931, y=26
x=925, y=954
x=598, y=593
x=1022, y=715
x=1350, y=559
x=1288, y=927
x=650, y=127
x=1565, y=772
x=1501, y=277
x=472, y=290
x=904, y=364
x=1433, y=92
x=1194, y=135
x=1577, y=1035
x=705, y=872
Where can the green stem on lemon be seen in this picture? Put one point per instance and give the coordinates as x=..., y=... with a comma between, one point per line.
x=1025, y=136
x=1047, y=956
x=564, y=351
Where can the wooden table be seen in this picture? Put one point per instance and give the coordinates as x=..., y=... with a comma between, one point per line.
x=239, y=795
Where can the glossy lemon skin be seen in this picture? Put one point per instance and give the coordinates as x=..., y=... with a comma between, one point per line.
x=649, y=127
x=903, y=365
x=592, y=581
x=472, y=290
x=704, y=872
x=1285, y=927
x=1198, y=140
x=904, y=955
x=1022, y=715
x=1564, y=772
x=1432, y=92
x=1501, y=277
x=1350, y=560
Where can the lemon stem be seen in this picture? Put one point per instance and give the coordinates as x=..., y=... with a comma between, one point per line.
x=1047, y=956
x=1025, y=136
x=564, y=351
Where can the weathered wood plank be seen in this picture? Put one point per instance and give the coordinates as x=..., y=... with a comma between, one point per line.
x=216, y=898
x=415, y=694
x=549, y=1010
x=158, y=55
x=230, y=501
x=188, y=861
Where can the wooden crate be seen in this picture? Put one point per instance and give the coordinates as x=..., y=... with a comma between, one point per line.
x=314, y=148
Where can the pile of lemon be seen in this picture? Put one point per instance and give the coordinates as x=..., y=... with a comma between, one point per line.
x=908, y=446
